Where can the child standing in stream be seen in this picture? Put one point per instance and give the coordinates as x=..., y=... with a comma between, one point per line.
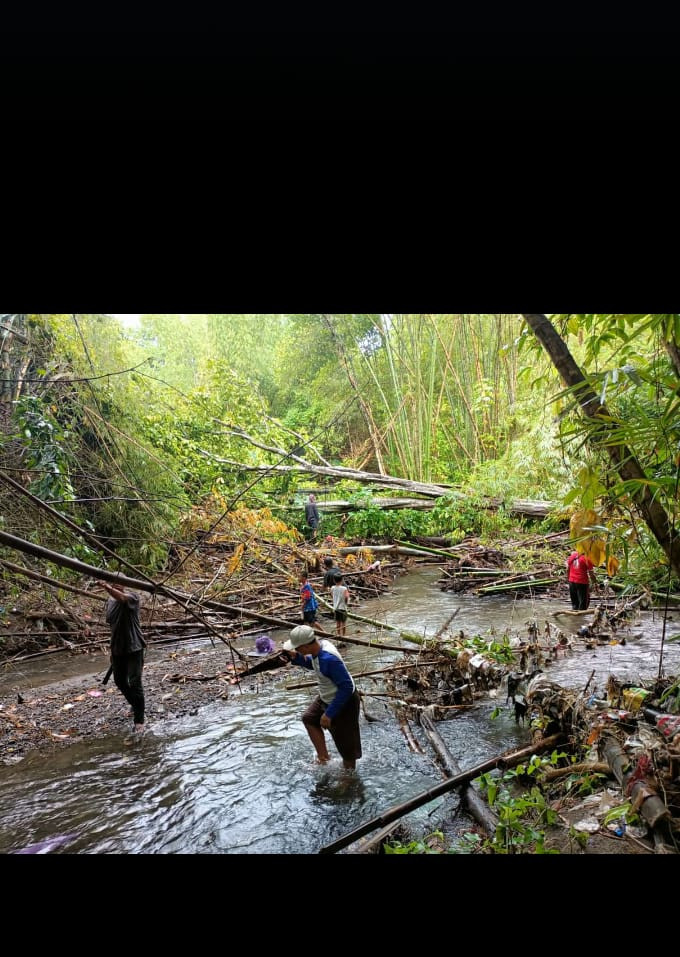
x=341, y=599
x=308, y=599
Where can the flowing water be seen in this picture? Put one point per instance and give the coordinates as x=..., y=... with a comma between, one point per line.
x=238, y=776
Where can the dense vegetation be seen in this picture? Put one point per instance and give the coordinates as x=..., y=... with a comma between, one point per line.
x=132, y=433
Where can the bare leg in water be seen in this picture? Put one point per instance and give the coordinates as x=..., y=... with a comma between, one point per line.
x=318, y=739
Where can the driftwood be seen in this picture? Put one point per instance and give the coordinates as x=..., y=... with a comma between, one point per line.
x=584, y=767
x=393, y=813
x=366, y=674
x=277, y=660
x=373, y=844
x=411, y=740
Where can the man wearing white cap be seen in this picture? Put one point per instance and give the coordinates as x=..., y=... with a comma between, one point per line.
x=336, y=709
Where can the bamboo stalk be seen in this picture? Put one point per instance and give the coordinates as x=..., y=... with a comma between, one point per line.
x=475, y=803
x=516, y=586
x=430, y=551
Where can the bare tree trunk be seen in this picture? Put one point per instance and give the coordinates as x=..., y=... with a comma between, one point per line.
x=365, y=410
x=623, y=460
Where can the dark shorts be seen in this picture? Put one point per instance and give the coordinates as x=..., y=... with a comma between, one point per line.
x=341, y=616
x=309, y=616
x=344, y=727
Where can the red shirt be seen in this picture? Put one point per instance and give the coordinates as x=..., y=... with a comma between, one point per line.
x=579, y=566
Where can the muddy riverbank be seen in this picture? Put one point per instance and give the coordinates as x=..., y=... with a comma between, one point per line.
x=178, y=682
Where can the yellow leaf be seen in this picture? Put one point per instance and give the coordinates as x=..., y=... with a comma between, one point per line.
x=612, y=566
x=587, y=544
x=235, y=560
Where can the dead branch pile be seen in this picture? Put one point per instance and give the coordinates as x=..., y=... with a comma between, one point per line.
x=257, y=579
x=487, y=571
x=632, y=735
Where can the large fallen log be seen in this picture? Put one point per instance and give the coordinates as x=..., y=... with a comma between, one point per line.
x=428, y=489
x=343, y=505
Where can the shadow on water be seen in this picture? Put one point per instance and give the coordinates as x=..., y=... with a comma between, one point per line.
x=238, y=778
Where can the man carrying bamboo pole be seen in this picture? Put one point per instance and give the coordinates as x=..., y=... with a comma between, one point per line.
x=127, y=648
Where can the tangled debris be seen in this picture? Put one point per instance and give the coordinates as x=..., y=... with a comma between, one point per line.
x=618, y=772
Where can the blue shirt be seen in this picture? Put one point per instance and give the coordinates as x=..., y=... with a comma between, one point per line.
x=332, y=667
x=307, y=594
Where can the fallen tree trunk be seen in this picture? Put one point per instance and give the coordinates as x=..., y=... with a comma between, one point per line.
x=428, y=489
x=343, y=505
x=500, y=761
x=474, y=802
x=103, y=574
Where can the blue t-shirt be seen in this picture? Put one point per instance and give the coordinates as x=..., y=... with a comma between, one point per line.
x=307, y=593
x=335, y=670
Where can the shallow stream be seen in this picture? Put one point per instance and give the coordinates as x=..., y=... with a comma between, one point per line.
x=238, y=776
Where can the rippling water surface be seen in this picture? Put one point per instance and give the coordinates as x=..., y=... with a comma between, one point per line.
x=238, y=777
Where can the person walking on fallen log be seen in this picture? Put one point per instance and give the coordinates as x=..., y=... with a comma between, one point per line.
x=127, y=649
x=312, y=517
x=308, y=600
x=581, y=572
x=340, y=595
x=336, y=709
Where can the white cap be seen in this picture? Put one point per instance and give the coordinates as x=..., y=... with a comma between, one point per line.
x=301, y=635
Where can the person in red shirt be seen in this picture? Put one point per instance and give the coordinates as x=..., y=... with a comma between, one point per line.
x=581, y=572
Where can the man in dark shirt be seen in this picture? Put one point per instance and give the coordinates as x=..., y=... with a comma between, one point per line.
x=312, y=517
x=127, y=648
x=329, y=573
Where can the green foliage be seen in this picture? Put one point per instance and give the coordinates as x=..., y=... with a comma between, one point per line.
x=622, y=812
x=135, y=423
x=492, y=647
x=414, y=847
x=469, y=843
x=45, y=441
x=380, y=523
x=522, y=816
x=459, y=515
x=632, y=363
x=584, y=784
x=578, y=837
